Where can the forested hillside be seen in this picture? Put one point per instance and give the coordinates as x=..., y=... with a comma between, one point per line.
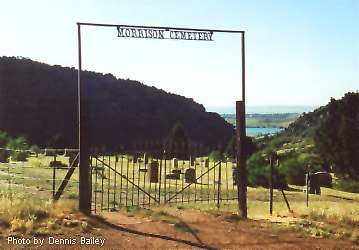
x=325, y=139
x=39, y=102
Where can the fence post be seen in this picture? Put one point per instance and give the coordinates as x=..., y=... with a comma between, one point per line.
x=84, y=171
x=241, y=158
x=54, y=178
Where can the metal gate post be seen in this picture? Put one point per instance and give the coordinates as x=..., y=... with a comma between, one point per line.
x=241, y=137
x=84, y=171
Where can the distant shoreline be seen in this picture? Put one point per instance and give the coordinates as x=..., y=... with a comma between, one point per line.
x=265, y=121
x=275, y=109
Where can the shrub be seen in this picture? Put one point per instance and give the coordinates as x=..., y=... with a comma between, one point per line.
x=295, y=167
x=294, y=171
x=4, y=139
x=19, y=156
x=4, y=156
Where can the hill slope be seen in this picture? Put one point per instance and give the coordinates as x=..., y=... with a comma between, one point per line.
x=39, y=101
x=326, y=138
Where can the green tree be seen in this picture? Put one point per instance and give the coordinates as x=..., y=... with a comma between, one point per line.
x=337, y=136
x=250, y=147
x=4, y=139
x=176, y=143
x=18, y=146
x=258, y=172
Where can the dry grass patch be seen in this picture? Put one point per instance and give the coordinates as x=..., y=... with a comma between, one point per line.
x=26, y=217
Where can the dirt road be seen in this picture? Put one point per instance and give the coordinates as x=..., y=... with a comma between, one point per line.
x=208, y=232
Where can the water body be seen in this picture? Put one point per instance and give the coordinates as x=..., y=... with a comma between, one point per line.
x=270, y=109
x=262, y=131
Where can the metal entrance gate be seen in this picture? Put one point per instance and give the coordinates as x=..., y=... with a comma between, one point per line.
x=140, y=181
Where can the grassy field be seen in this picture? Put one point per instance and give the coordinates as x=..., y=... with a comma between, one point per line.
x=26, y=206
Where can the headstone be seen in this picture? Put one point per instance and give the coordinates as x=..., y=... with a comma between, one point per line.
x=173, y=176
x=153, y=172
x=317, y=180
x=190, y=175
x=206, y=163
x=175, y=163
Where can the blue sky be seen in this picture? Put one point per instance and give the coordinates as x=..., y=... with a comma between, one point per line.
x=298, y=52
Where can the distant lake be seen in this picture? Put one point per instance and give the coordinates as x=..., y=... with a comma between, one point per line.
x=262, y=131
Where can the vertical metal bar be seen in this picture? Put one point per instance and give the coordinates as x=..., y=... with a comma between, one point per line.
x=115, y=184
x=102, y=177
x=53, y=178
x=149, y=180
x=144, y=182
x=91, y=176
x=127, y=165
x=201, y=199
x=84, y=189
x=219, y=184
x=208, y=187
x=234, y=175
x=165, y=177
x=133, y=181
x=155, y=191
x=138, y=182
x=214, y=183
x=183, y=167
x=176, y=187
x=121, y=167
x=96, y=185
x=195, y=184
x=108, y=183
x=227, y=190
x=160, y=182
x=170, y=180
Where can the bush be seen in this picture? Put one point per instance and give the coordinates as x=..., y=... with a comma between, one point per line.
x=295, y=167
x=258, y=170
x=4, y=139
x=294, y=170
x=4, y=156
x=19, y=156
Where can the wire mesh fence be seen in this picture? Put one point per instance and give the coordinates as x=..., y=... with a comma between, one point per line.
x=38, y=175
